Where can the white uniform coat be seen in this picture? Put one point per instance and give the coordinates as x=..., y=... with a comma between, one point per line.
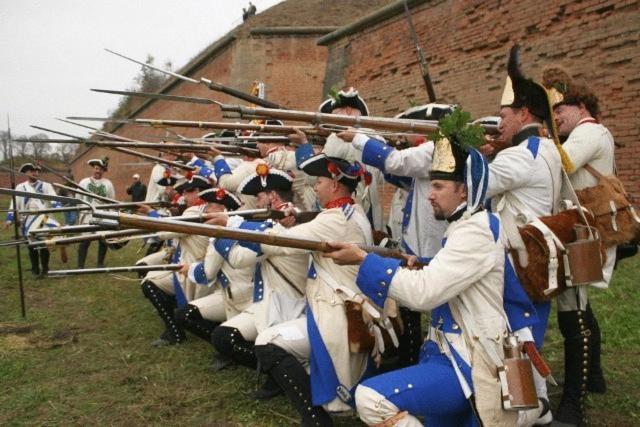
x=468, y=270
x=28, y=222
x=101, y=187
x=283, y=289
x=423, y=234
x=348, y=224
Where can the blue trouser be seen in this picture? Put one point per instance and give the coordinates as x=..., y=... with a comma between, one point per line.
x=429, y=389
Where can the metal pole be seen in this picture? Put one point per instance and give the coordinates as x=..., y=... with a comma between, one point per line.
x=16, y=232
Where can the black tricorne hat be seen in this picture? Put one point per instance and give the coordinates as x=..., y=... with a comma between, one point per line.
x=221, y=197
x=29, y=167
x=103, y=163
x=193, y=182
x=345, y=98
x=265, y=179
x=335, y=168
x=431, y=111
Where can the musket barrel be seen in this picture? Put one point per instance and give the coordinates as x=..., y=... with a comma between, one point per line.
x=85, y=238
x=147, y=223
x=128, y=269
x=316, y=118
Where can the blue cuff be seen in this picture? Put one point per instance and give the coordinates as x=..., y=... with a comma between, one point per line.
x=375, y=275
x=154, y=214
x=221, y=167
x=303, y=153
x=10, y=217
x=199, y=275
x=205, y=172
x=56, y=204
x=198, y=162
x=403, y=182
x=375, y=153
x=223, y=246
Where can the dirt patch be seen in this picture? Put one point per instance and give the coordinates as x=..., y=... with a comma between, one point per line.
x=15, y=328
x=21, y=337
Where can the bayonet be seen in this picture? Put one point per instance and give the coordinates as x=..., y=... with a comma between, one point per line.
x=163, y=97
x=128, y=269
x=426, y=77
x=208, y=83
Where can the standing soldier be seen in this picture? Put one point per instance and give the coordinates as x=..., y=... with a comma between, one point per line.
x=39, y=257
x=590, y=148
x=100, y=186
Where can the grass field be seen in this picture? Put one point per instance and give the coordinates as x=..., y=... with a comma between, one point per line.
x=82, y=356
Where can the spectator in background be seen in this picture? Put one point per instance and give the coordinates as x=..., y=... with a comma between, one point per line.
x=137, y=190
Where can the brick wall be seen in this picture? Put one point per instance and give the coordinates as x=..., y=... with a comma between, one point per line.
x=466, y=45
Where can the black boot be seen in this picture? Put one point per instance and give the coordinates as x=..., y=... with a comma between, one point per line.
x=190, y=319
x=83, y=249
x=102, y=253
x=596, y=382
x=574, y=329
x=269, y=390
x=165, y=304
x=411, y=339
x=44, y=261
x=229, y=342
x=294, y=380
x=35, y=262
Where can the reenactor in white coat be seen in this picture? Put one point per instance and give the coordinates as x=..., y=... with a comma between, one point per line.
x=96, y=184
x=279, y=281
x=525, y=180
x=588, y=144
x=310, y=357
x=231, y=287
x=168, y=290
x=454, y=383
x=39, y=258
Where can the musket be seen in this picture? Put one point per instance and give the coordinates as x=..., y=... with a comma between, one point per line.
x=125, y=150
x=10, y=243
x=124, y=205
x=339, y=122
x=426, y=77
x=69, y=229
x=16, y=233
x=114, y=143
x=154, y=158
x=250, y=127
x=100, y=235
x=128, y=269
x=208, y=83
x=208, y=230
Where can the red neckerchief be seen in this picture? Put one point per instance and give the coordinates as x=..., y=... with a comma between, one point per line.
x=588, y=120
x=339, y=202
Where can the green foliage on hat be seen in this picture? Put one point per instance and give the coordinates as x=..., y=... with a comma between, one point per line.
x=456, y=127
